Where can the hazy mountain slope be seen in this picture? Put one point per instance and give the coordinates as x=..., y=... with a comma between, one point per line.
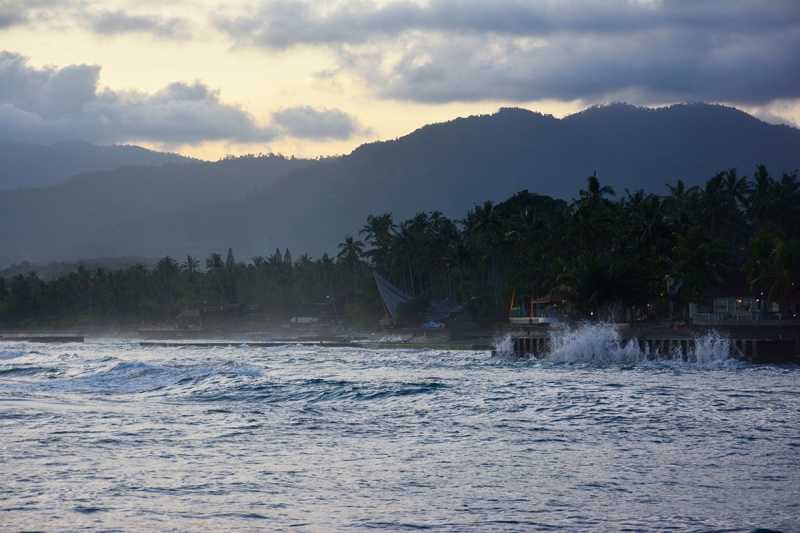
x=37, y=224
x=449, y=166
x=644, y=148
x=34, y=165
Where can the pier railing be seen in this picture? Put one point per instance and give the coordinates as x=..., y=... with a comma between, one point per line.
x=757, y=318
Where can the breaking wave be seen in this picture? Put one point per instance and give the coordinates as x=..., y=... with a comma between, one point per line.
x=602, y=344
x=592, y=343
x=504, y=346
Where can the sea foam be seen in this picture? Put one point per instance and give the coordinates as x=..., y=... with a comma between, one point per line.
x=602, y=344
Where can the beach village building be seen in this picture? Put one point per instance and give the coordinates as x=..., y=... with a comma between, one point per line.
x=736, y=301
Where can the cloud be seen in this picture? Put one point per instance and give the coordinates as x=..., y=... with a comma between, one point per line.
x=52, y=104
x=309, y=123
x=778, y=112
x=736, y=51
x=59, y=14
x=19, y=13
x=652, y=69
x=12, y=15
x=118, y=22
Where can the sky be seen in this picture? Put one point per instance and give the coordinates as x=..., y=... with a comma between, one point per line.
x=211, y=78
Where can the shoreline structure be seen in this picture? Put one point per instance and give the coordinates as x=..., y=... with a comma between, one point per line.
x=761, y=344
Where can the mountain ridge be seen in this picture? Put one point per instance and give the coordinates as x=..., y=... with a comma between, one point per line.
x=30, y=165
x=44, y=218
x=451, y=165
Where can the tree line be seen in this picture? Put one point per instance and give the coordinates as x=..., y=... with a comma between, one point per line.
x=600, y=253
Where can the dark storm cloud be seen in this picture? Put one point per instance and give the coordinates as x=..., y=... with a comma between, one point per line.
x=21, y=12
x=310, y=123
x=12, y=15
x=284, y=24
x=119, y=22
x=52, y=104
x=650, y=69
x=736, y=51
x=63, y=13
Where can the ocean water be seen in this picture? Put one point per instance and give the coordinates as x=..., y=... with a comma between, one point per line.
x=111, y=436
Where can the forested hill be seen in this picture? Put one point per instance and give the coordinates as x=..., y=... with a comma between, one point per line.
x=445, y=167
x=34, y=165
x=46, y=223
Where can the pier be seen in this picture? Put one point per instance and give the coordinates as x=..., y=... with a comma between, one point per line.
x=172, y=333
x=669, y=348
x=328, y=344
x=42, y=338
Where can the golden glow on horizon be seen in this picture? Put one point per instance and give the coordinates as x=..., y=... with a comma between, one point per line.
x=261, y=82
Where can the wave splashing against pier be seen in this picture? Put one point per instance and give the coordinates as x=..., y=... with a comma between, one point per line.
x=592, y=343
x=711, y=348
x=602, y=344
x=504, y=346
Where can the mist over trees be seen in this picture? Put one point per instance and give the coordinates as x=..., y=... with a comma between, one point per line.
x=601, y=251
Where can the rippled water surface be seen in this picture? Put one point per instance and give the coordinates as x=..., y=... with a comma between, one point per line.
x=108, y=435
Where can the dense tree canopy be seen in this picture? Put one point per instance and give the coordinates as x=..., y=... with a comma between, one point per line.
x=600, y=252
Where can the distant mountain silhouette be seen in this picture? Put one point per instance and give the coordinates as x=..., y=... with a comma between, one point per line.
x=443, y=167
x=46, y=223
x=34, y=165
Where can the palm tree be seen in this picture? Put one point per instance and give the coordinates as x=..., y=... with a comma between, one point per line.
x=351, y=252
x=699, y=261
x=594, y=196
x=647, y=224
x=788, y=211
x=167, y=271
x=87, y=284
x=326, y=265
x=758, y=258
x=588, y=283
x=378, y=228
x=677, y=194
x=405, y=243
x=485, y=223
x=215, y=268
x=738, y=189
x=214, y=263
x=528, y=228
x=460, y=256
x=684, y=206
x=774, y=265
x=379, y=231
x=591, y=215
x=190, y=266
x=758, y=201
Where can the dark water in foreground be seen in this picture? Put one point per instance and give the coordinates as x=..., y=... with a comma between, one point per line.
x=112, y=436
